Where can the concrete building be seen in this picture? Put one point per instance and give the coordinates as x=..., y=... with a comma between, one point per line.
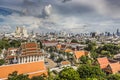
x=21, y=32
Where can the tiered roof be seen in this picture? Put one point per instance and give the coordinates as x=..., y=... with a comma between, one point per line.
x=31, y=48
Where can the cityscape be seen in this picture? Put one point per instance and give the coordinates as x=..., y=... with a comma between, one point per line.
x=59, y=40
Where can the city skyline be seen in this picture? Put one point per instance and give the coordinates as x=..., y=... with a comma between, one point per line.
x=55, y=15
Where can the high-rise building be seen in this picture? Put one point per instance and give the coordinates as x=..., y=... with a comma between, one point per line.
x=21, y=32
x=118, y=33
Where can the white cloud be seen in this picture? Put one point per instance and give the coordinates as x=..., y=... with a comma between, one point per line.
x=59, y=21
x=47, y=10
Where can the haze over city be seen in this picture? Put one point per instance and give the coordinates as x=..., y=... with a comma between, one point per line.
x=55, y=15
x=59, y=39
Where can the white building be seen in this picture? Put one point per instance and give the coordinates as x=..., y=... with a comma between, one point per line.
x=28, y=52
x=21, y=32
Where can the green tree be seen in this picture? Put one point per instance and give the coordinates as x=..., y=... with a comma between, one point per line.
x=15, y=43
x=41, y=45
x=50, y=76
x=16, y=76
x=41, y=77
x=57, y=78
x=37, y=78
x=105, y=53
x=59, y=59
x=114, y=77
x=90, y=71
x=84, y=59
x=52, y=55
x=68, y=74
x=4, y=44
x=0, y=50
x=74, y=41
x=2, y=61
x=51, y=49
x=94, y=55
x=91, y=79
x=91, y=46
x=108, y=49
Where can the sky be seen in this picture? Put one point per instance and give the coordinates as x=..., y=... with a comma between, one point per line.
x=77, y=16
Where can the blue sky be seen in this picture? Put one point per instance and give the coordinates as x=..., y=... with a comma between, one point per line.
x=55, y=15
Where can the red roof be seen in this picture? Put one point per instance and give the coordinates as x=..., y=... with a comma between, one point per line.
x=58, y=46
x=78, y=54
x=33, y=69
x=115, y=67
x=12, y=49
x=65, y=62
x=31, y=47
x=103, y=62
x=68, y=50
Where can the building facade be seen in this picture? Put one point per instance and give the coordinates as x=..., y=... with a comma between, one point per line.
x=21, y=32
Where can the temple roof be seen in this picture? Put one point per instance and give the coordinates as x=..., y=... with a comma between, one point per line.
x=30, y=48
x=33, y=69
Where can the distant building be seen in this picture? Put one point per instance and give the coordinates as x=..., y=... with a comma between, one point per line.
x=2, y=54
x=118, y=33
x=21, y=32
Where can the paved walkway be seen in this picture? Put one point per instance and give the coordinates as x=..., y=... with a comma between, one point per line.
x=50, y=64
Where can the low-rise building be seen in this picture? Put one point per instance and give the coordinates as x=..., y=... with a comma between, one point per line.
x=79, y=54
x=65, y=64
x=103, y=62
x=113, y=68
x=108, y=66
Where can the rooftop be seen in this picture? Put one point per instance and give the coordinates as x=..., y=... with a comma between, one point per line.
x=33, y=69
x=81, y=53
x=103, y=62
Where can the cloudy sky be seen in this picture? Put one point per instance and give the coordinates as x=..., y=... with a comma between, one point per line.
x=56, y=15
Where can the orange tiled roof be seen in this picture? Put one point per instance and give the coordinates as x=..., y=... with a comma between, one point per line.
x=115, y=67
x=59, y=46
x=65, y=62
x=103, y=62
x=31, y=47
x=12, y=49
x=33, y=69
x=68, y=50
x=78, y=54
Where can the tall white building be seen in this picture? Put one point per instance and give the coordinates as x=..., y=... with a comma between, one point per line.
x=21, y=32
